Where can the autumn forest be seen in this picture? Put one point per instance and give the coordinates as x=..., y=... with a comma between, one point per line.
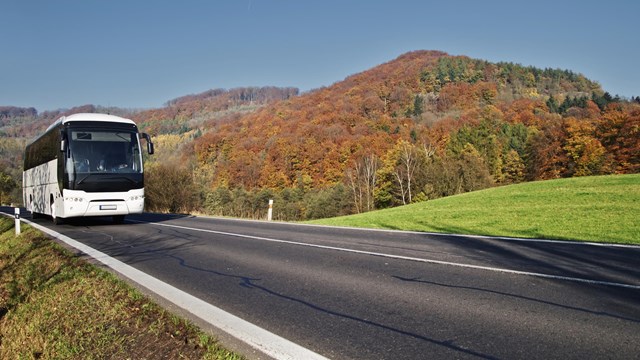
x=423, y=126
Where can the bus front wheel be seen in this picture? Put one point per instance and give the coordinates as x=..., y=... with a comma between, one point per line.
x=56, y=220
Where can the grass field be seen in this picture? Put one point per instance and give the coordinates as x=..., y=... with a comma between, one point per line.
x=600, y=209
x=54, y=305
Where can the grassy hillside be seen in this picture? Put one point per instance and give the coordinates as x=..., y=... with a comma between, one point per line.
x=55, y=306
x=600, y=208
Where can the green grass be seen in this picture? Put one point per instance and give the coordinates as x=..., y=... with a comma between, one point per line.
x=600, y=209
x=54, y=305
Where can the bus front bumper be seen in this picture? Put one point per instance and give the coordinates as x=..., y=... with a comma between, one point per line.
x=80, y=203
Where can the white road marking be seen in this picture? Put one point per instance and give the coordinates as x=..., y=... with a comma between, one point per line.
x=270, y=344
x=483, y=237
x=400, y=257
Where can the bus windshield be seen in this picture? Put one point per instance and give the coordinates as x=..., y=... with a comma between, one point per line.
x=102, y=152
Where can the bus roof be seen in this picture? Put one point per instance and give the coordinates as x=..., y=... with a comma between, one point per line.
x=90, y=117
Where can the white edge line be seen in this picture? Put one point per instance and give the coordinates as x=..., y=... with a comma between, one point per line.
x=259, y=338
x=400, y=257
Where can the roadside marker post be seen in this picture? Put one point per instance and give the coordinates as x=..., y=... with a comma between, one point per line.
x=17, y=216
x=270, y=212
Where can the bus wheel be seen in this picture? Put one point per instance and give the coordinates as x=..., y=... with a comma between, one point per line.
x=118, y=219
x=56, y=220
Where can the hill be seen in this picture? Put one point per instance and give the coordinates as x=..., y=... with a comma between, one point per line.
x=422, y=97
x=419, y=127
x=198, y=111
x=601, y=209
x=422, y=126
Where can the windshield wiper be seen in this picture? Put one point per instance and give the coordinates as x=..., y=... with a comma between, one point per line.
x=83, y=179
x=124, y=177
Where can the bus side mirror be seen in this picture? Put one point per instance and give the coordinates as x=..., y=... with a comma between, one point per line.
x=63, y=141
x=149, y=143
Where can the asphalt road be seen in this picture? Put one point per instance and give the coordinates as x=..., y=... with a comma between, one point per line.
x=358, y=294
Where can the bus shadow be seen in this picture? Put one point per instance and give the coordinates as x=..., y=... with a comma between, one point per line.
x=133, y=219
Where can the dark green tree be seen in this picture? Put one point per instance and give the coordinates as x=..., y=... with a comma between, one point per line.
x=552, y=104
x=418, y=105
x=7, y=184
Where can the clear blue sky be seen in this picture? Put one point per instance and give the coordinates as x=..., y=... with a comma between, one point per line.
x=141, y=53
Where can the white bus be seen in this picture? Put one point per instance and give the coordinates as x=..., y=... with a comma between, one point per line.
x=85, y=165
